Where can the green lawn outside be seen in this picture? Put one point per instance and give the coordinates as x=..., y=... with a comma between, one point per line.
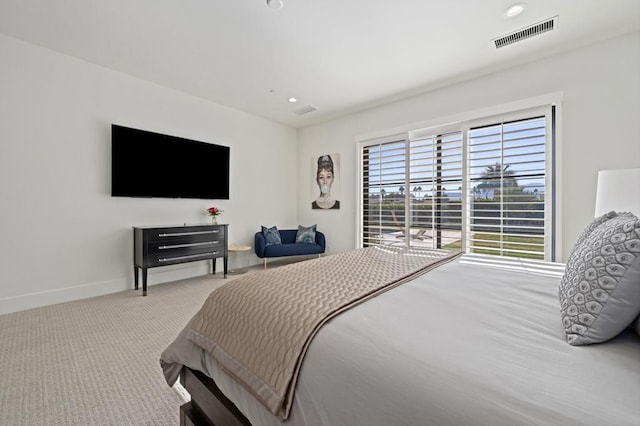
x=509, y=243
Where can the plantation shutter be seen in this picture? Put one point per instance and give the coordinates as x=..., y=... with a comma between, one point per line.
x=484, y=186
x=506, y=189
x=383, y=174
x=436, y=185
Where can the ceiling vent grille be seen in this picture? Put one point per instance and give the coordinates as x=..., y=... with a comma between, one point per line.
x=525, y=33
x=305, y=110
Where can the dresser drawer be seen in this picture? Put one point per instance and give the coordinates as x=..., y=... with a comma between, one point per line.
x=191, y=244
x=216, y=247
x=173, y=258
x=186, y=234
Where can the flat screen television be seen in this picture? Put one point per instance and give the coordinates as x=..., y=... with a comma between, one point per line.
x=148, y=164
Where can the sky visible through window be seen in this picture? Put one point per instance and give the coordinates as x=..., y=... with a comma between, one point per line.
x=518, y=146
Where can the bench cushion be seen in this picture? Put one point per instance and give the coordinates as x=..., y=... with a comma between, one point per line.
x=294, y=249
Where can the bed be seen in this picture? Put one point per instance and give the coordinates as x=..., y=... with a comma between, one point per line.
x=469, y=341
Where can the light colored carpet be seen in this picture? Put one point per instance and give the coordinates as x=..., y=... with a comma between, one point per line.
x=96, y=361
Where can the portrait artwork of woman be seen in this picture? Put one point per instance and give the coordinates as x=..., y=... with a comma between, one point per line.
x=325, y=178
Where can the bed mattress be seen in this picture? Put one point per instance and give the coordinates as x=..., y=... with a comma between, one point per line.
x=465, y=344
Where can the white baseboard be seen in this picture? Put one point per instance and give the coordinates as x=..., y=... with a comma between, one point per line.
x=161, y=275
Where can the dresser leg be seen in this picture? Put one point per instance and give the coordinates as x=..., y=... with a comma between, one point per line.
x=135, y=276
x=144, y=281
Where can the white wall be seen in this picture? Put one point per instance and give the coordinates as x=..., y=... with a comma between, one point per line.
x=62, y=236
x=600, y=124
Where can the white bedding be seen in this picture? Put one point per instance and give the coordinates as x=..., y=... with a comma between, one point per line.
x=465, y=344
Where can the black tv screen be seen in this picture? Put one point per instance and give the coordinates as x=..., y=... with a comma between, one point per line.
x=148, y=164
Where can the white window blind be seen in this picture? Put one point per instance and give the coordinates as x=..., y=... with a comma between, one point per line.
x=436, y=181
x=481, y=186
x=506, y=181
x=383, y=176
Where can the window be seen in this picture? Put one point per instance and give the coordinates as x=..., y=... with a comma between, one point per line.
x=506, y=181
x=436, y=179
x=483, y=186
x=383, y=175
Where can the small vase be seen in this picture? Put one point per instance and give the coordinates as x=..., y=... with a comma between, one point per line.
x=214, y=220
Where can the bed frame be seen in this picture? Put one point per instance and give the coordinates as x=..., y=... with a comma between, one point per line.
x=208, y=405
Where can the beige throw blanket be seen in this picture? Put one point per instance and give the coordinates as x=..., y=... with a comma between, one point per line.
x=258, y=327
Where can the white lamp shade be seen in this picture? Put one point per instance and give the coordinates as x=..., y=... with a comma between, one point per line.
x=618, y=190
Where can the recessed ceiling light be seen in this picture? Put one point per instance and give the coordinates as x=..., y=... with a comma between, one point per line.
x=514, y=10
x=275, y=4
x=292, y=100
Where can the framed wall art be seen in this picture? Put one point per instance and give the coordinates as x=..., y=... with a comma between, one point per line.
x=325, y=182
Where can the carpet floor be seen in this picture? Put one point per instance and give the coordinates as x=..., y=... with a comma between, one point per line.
x=96, y=361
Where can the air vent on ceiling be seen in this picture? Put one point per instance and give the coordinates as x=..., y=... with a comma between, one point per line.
x=530, y=31
x=305, y=110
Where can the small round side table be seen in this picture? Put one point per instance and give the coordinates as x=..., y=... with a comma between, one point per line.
x=234, y=248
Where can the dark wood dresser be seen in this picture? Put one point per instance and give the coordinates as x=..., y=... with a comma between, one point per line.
x=170, y=245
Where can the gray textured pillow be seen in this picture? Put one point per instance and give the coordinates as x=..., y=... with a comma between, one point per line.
x=306, y=235
x=593, y=225
x=600, y=290
x=271, y=236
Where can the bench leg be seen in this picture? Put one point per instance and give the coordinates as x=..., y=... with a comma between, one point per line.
x=265, y=263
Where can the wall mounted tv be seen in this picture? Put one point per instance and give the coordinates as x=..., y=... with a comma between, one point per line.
x=147, y=164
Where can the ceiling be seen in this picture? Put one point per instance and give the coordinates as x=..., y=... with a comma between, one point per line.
x=339, y=56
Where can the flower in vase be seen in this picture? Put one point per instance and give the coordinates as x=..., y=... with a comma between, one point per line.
x=213, y=211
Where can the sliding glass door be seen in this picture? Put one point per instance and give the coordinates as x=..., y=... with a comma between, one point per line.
x=483, y=186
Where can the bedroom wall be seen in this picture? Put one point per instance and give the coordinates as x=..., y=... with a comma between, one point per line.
x=62, y=235
x=600, y=128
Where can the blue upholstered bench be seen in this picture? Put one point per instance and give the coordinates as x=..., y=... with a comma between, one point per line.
x=289, y=247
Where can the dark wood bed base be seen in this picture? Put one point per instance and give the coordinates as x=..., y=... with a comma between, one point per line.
x=208, y=405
